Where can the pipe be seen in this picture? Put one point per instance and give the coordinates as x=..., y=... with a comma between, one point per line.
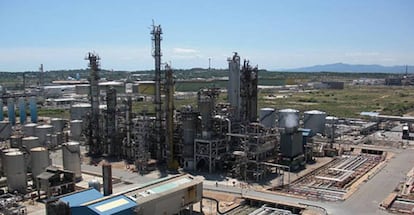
x=228, y=128
x=1, y=110
x=107, y=179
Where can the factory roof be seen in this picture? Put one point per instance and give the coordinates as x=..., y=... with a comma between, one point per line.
x=81, y=197
x=113, y=205
x=161, y=187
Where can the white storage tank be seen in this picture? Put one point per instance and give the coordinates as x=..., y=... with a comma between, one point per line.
x=16, y=172
x=288, y=118
x=75, y=129
x=39, y=160
x=5, y=130
x=30, y=142
x=42, y=131
x=78, y=111
x=71, y=158
x=58, y=124
x=314, y=120
x=267, y=117
x=3, y=159
x=29, y=129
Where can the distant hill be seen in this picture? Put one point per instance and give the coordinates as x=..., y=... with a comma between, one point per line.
x=355, y=68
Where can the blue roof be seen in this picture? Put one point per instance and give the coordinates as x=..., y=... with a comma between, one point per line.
x=81, y=197
x=115, y=205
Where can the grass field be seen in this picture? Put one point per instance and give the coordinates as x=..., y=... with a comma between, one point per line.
x=341, y=103
x=350, y=101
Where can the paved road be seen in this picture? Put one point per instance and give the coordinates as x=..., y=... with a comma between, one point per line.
x=366, y=200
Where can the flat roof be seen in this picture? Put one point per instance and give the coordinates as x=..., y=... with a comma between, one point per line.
x=81, y=197
x=113, y=205
x=161, y=187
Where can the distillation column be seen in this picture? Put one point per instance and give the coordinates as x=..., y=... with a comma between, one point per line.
x=95, y=145
x=156, y=38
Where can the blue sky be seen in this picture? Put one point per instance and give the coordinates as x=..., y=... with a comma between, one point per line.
x=271, y=33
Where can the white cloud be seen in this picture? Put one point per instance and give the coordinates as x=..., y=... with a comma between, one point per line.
x=184, y=51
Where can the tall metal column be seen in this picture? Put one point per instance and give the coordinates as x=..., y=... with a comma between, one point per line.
x=169, y=112
x=156, y=38
x=94, y=140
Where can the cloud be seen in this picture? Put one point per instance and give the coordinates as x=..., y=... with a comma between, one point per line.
x=184, y=51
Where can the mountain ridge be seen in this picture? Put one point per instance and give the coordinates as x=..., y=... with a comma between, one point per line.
x=354, y=68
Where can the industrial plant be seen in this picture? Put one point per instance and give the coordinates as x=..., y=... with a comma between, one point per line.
x=223, y=154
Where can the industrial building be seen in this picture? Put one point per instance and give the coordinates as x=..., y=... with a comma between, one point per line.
x=231, y=137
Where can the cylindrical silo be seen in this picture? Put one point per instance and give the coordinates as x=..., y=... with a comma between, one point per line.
x=78, y=111
x=16, y=141
x=288, y=118
x=3, y=158
x=314, y=120
x=39, y=160
x=267, y=117
x=16, y=172
x=29, y=129
x=22, y=110
x=10, y=111
x=1, y=110
x=42, y=131
x=71, y=158
x=5, y=130
x=33, y=109
x=30, y=142
x=58, y=124
x=75, y=129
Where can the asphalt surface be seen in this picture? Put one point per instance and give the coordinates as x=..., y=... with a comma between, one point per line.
x=365, y=200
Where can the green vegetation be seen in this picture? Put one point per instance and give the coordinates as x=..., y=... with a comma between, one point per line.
x=350, y=101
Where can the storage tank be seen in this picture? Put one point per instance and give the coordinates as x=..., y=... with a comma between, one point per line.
x=79, y=111
x=22, y=110
x=29, y=129
x=16, y=172
x=30, y=142
x=10, y=111
x=33, y=109
x=3, y=159
x=5, y=130
x=42, y=131
x=315, y=120
x=71, y=158
x=39, y=160
x=267, y=117
x=76, y=129
x=16, y=141
x=58, y=124
x=288, y=118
